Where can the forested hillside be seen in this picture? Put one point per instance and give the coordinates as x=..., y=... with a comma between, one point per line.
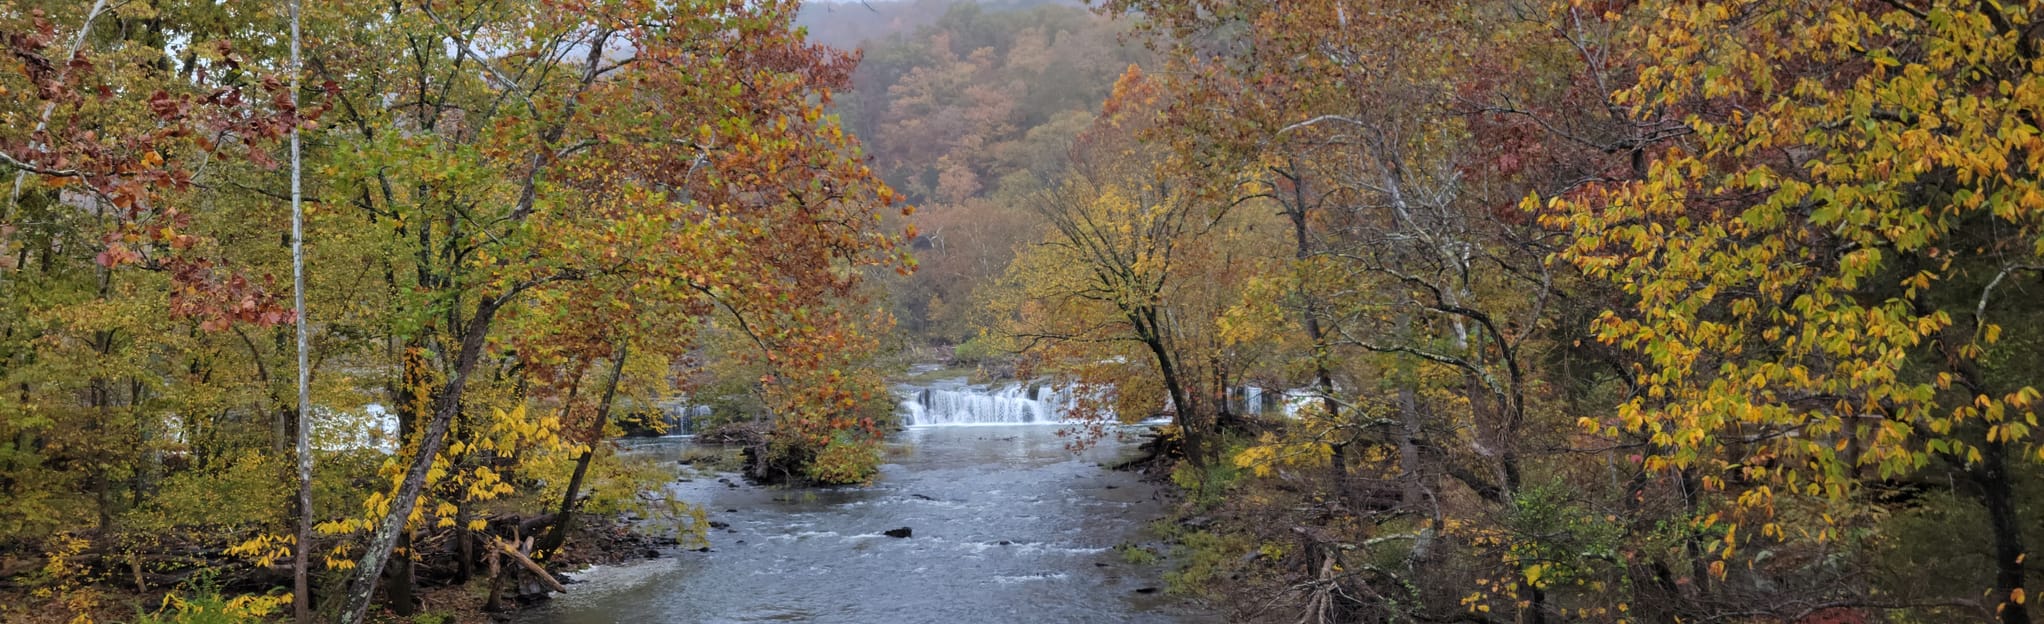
x=966, y=115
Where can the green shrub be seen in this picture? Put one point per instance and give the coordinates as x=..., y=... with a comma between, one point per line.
x=975, y=351
x=1137, y=555
x=1209, y=556
x=201, y=603
x=845, y=461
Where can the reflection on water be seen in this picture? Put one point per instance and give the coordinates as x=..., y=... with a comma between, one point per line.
x=1009, y=526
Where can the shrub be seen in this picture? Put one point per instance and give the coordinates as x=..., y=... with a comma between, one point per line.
x=201, y=603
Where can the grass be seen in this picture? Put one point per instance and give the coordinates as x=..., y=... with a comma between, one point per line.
x=1137, y=555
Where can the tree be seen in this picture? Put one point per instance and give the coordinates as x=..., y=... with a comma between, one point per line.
x=1418, y=303
x=1133, y=269
x=607, y=106
x=667, y=165
x=1823, y=283
x=301, y=548
x=96, y=214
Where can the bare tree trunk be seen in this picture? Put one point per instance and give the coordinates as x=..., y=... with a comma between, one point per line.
x=494, y=601
x=362, y=588
x=565, y=518
x=411, y=396
x=2000, y=499
x=1190, y=424
x=1409, y=425
x=398, y=592
x=465, y=541
x=1322, y=379
x=301, y=587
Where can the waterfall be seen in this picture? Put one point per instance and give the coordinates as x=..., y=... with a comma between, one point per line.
x=954, y=401
x=1298, y=400
x=1005, y=404
x=681, y=417
x=340, y=429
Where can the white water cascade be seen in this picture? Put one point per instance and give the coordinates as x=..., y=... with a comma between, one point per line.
x=955, y=401
x=963, y=404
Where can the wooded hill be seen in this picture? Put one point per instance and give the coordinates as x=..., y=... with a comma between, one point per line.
x=965, y=108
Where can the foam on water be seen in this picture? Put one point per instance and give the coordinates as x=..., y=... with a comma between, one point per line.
x=1002, y=404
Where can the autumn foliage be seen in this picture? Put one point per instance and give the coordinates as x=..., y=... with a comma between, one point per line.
x=1643, y=311
x=1530, y=311
x=525, y=221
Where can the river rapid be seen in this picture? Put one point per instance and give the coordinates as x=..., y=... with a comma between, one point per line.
x=1009, y=525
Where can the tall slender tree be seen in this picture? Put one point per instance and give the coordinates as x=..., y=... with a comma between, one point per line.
x=301, y=587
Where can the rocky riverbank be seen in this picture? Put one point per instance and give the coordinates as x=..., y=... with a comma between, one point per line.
x=110, y=596
x=595, y=541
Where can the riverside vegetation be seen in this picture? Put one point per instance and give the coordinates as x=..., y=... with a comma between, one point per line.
x=1613, y=311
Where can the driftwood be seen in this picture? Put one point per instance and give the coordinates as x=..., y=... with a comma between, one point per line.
x=493, y=602
x=529, y=565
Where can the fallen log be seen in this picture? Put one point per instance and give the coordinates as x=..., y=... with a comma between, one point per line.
x=528, y=564
x=530, y=525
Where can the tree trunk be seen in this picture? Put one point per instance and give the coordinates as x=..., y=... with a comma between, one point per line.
x=362, y=587
x=301, y=587
x=494, y=601
x=1189, y=424
x=564, y=519
x=411, y=395
x=1993, y=479
x=2000, y=499
x=464, y=546
x=1692, y=544
x=1310, y=314
x=1408, y=444
x=398, y=592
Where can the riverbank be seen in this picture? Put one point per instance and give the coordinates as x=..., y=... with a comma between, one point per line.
x=596, y=541
x=106, y=596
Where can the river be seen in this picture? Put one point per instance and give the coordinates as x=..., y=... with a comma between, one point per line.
x=1008, y=526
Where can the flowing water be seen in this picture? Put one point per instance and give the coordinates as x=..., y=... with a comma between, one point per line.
x=1008, y=526
x=956, y=402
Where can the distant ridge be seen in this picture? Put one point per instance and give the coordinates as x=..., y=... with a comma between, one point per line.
x=850, y=25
